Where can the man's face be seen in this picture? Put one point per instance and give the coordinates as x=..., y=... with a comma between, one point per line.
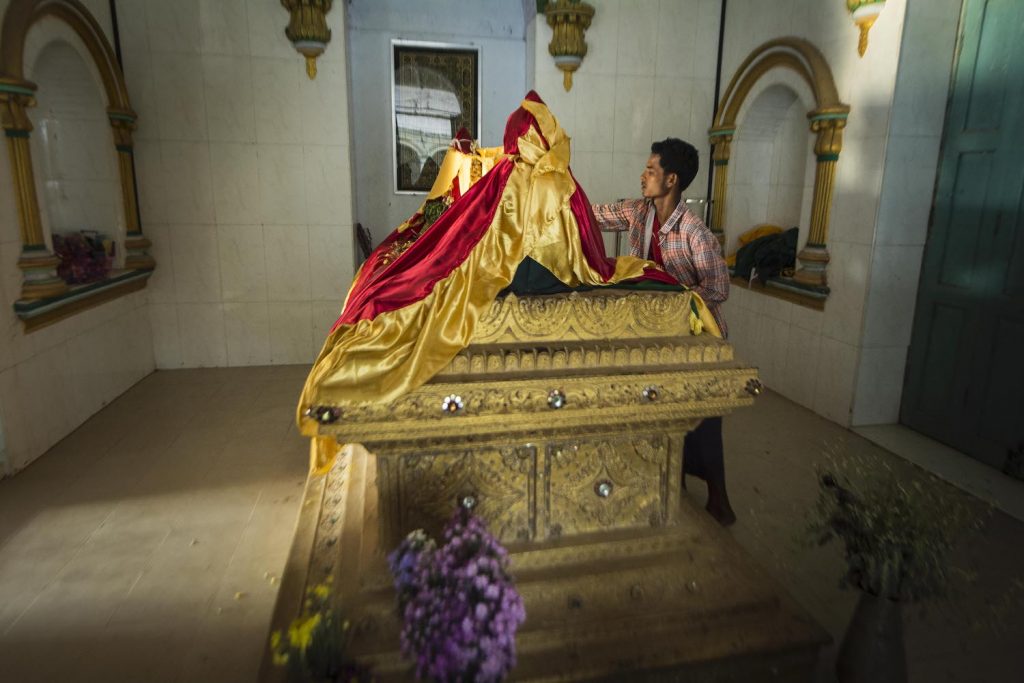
x=654, y=182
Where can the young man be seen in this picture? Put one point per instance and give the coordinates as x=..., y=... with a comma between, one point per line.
x=663, y=230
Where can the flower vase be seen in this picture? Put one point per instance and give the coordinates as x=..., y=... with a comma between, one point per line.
x=872, y=650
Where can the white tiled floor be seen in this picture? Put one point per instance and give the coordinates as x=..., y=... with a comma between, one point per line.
x=146, y=546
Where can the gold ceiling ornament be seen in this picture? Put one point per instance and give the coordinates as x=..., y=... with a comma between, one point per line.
x=569, y=20
x=307, y=29
x=864, y=13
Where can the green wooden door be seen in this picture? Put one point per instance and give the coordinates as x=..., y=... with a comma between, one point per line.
x=965, y=370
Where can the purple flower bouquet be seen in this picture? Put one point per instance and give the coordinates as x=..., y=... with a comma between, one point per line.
x=460, y=606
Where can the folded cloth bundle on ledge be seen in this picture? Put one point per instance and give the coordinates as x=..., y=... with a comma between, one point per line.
x=767, y=256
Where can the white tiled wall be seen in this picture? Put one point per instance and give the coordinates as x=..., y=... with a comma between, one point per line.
x=815, y=357
x=911, y=164
x=847, y=363
x=649, y=74
x=496, y=28
x=244, y=178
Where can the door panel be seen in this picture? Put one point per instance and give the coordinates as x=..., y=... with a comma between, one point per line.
x=971, y=180
x=965, y=371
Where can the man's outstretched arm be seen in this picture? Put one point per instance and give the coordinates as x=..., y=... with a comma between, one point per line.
x=617, y=215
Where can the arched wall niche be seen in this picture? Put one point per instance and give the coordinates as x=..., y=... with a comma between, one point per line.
x=44, y=296
x=75, y=162
x=771, y=171
x=827, y=118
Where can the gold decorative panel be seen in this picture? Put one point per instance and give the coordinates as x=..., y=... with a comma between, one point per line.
x=590, y=485
x=501, y=481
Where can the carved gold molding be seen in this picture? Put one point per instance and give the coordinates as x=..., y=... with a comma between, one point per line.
x=521, y=408
x=16, y=94
x=585, y=317
x=490, y=359
x=827, y=120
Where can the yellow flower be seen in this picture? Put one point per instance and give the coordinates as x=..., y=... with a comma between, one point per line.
x=279, y=658
x=300, y=633
x=696, y=325
x=321, y=591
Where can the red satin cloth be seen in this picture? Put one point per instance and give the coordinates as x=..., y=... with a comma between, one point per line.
x=445, y=245
x=434, y=255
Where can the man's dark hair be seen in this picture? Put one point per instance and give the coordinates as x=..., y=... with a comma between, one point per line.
x=678, y=157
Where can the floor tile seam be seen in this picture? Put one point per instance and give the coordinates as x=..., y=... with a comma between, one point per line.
x=23, y=612
x=241, y=534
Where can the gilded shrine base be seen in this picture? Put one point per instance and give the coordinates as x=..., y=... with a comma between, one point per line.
x=564, y=422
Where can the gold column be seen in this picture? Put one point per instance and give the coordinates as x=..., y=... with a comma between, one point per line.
x=135, y=243
x=721, y=139
x=37, y=262
x=828, y=125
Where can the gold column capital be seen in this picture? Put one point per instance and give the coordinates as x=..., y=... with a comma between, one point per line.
x=123, y=123
x=15, y=98
x=828, y=125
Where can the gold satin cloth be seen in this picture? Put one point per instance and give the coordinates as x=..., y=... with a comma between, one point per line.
x=397, y=351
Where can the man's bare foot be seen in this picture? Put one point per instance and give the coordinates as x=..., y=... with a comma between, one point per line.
x=718, y=504
x=722, y=513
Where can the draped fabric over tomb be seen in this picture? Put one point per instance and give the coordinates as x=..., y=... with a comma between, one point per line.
x=415, y=302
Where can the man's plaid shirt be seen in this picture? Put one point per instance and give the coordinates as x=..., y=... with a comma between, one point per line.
x=691, y=253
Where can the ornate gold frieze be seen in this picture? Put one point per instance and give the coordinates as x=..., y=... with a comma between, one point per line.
x=594, y=316
x=583, y=357
x=522, y=406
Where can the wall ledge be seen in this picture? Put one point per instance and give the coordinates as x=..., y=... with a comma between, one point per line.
x=39, y=313
x=780, y=288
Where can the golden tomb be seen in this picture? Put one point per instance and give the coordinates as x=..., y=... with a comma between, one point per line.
x=562, y=424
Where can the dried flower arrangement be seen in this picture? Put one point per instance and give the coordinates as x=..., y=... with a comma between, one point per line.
x=897, y=535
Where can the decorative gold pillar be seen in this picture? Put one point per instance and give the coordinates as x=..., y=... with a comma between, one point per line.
x=721, y=140
x=122, y=122
x=828, y=124
x=37, y=262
